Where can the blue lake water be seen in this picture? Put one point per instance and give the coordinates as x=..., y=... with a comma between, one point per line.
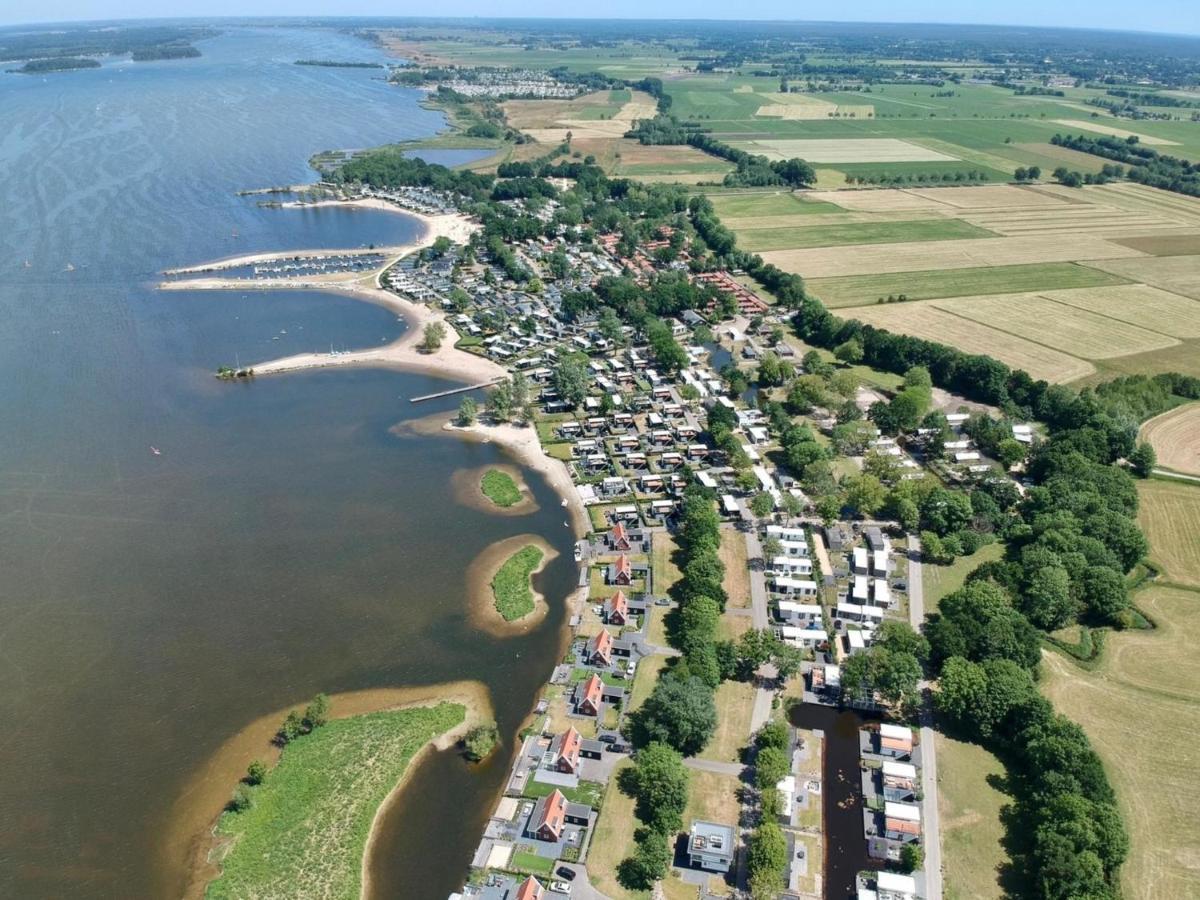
x=285, y=542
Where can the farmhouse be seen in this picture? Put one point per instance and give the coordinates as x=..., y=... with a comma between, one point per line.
x=589, y=696
x=616, y=609
x=531, y=889
x=599, y=650
x=621, y=572
x=565, y=751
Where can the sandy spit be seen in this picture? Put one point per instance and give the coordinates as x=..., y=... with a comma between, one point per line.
x=190, y=842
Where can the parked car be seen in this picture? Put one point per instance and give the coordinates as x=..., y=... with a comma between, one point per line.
x=560, y=887
x=564, y=872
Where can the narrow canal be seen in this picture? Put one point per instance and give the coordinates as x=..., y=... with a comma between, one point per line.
x=842, y=803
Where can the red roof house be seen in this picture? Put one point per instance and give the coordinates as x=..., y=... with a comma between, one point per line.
x=588, y=696
x=566, y=751
x=618, y=538
x=530, y=889
x=599, y=649
x=622, y=571
x=617, y=609
x=549, y=817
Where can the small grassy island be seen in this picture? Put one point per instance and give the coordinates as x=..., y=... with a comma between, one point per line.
x=302, y=829
x=500, y=488
x=57, y=64
x=510, y=587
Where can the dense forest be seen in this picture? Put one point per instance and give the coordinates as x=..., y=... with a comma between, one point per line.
x=144, y=42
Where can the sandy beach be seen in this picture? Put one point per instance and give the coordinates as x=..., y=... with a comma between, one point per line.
x=194, y=814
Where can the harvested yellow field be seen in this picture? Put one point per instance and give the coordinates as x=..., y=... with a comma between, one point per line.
x=1117, y=132
x=1141, y=709
x=1140, y=197
x=994, y=196
x=878, y=201
x=1169, y=513
x=1137, y=304
x=926, y=321
x=1175, y=437
x=1177, y=274
x=548, y=121
x=1066, y=328
x=829, y=262
x=845, y=150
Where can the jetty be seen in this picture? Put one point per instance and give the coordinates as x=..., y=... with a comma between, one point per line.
x=457, y=390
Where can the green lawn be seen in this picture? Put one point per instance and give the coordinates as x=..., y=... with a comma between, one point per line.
x=799, y=236
x=305, y=833
x=500, y=488
x=510, y=586
x=938, y=581
x=972, y=829
x=857, y=290
x=589, y=792
x=530, y=863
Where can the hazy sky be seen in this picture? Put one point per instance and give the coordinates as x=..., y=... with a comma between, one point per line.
x=1179, y=16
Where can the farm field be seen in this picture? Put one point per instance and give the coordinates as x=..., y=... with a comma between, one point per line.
x=1066, y=328
x=1175, y=437
x=1179, y=274
x=852, y=150
x=1137, y=304
x=1169, y=513
x=962, y=254
x=831, y=235
x=1141, y=708
x=765, y=205
x=856, y=290
x=927, y=321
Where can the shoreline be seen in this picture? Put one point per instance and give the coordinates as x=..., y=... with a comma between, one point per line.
x=481, y=611
x=520, y=443
x=192, y=847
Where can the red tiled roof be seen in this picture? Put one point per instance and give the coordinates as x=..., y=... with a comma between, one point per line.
x=530, y=889
x=569, y=745
x=600, y=645
x=619, y=603
x=624, y=566
x=618, y=532
x=592, y=689
x=554, y=813
x=895, y=743
x=902, y=826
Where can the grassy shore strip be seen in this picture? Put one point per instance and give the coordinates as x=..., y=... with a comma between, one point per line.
x=510, y=586
x=500, y=488
x=307, y=830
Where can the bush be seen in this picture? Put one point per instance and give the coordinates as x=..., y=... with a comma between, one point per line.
x=481, y=741
x=256, y=772
x=242, y=800
x=911, y=857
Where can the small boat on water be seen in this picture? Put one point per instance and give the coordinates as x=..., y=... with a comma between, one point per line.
x=70, y=267
x=27, y=264
x=155, y=450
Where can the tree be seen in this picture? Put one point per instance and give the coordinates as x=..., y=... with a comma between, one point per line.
x=649, y=862
x=316, y=713
x=1047, y=597
x=500, y=402
x=570, y=379
x=865, y=494
x=767, y=857
x=774, y=734
x=850, y=352
x=481, y=741
x=292, y=728
x=468, y=411
x=771, y=765
x=911, y=857
x=1104, y=594
x=242, y=800
x=1010, y=452
x=762, y=504
x=961, y=689
x=1142, y=460
x=435, y=333
x=679, y=713
x=256, y=772
x=661, y=787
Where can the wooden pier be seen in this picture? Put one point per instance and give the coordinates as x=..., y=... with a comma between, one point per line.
x=457, y=390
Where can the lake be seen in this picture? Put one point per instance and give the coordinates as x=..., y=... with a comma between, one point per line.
x=285, y=542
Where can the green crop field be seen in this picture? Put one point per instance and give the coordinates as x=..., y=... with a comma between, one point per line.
x=306, y=830
x=856, y=290
x=758, y=239
x=766, y=204
x=510, y=586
